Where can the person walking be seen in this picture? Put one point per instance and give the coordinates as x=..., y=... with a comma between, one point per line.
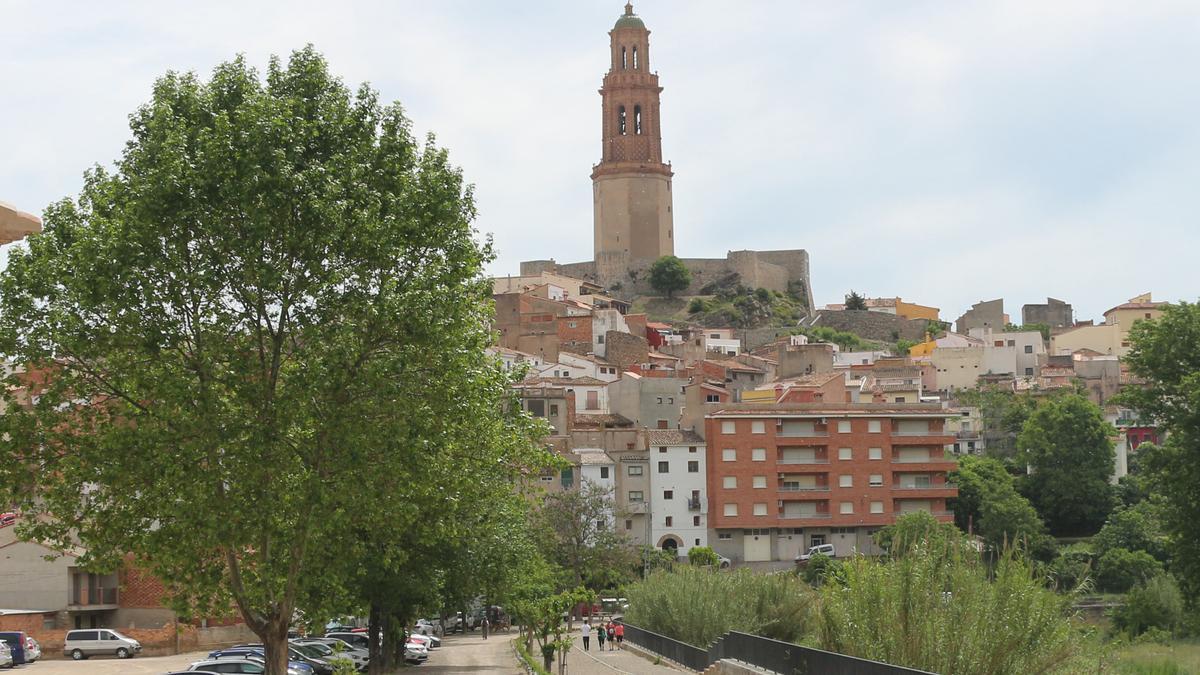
x=586, y=631
x=601, y=635
x=485, y=626
x=620, y=633
x=611, y=630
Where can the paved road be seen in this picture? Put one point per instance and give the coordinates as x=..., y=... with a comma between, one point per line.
x=472, y=654
x=615, y=662
x=142, y=665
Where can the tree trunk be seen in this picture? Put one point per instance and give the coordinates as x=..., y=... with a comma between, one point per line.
x=276, y=646
x=376, y=664
x=548, y=660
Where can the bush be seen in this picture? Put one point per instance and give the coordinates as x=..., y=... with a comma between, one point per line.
x=821, y=569
x=697, y=305
x=696, y=605
x=1154, y=604
x=703, y=555
x=1072, y=567
x=948, y=615
x=1119, y=569
x=762, y=294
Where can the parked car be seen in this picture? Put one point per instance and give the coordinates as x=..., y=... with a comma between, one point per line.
x=427, y=627
x=8, y=518
x=257, y=653
x=431, y=642
x=81, y=644
x=415, y=652
x=360, y=657
x=33, y=649
x=357, y=640
x=15, y=641
x=6, y=658
x=822, y=549
x=331, y=656
x=723, y=562
x=231, y=666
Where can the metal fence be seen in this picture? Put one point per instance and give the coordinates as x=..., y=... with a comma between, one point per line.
x=772, y=655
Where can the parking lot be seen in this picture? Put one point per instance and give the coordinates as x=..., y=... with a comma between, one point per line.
x=142, y=665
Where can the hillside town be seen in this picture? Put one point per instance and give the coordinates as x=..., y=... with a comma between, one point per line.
x=272, y=406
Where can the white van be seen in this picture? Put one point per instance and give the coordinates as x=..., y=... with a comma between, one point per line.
x=820, y=549
x=81, y=644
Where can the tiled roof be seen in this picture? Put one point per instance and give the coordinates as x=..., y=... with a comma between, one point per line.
x=657, y=437
x=604, y=420
x=810, y=380
x=1137, y=305
x=594, y=457
x=735, y=365
x=831, y=409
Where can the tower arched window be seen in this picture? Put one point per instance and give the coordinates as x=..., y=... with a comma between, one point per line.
x=637, y=120
x=635, y=58
x=624, y=60
x=621, y=120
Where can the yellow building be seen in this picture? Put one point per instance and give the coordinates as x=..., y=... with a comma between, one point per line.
x=1112, y=336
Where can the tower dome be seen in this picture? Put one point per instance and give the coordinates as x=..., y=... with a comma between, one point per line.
x=629, y=19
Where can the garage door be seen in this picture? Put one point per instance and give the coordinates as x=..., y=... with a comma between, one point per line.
x=757, y=545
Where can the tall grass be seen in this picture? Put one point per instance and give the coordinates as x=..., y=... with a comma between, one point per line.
x=948, y=614
x=698, y=605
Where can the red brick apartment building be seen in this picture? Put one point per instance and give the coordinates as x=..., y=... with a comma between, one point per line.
x=784, y=477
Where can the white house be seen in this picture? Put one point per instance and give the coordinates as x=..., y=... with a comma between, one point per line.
x=678, y=503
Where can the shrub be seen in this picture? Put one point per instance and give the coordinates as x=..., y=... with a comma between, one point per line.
x=762, y=294
x=703, y=555
x=1153, y=604
x=947, y=614
x=696, y=605
x=1072, y=567
x=821, y=569
x=1119, y=569
x=697, y=305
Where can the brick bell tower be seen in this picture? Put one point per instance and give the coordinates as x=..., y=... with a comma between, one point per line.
x=631, y=186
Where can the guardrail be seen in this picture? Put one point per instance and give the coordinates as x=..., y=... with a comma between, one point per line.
x=772, y=655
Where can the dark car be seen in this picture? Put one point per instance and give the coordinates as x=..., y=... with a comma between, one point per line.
x=16, y=644
x=256, y=652
x=318, y=665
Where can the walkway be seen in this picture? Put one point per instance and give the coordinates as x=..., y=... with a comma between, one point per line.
x=472, y=654
x=617, y=662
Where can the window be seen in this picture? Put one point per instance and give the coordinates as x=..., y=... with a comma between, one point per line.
x=635, y=58
x=728, y=427
x=724, y=536
x=662, y=451
x=729, y=482
x=760, y=509
x=876, y=479
x=693, y=467
x=731, y=509
x=660, y=400
x=668, y=494
x=628, y=524
x=572, y=324
x=604, y=472
x=637, y=109
x=712, y=398
x=600, y=524
x=1028, y=349
x=1029, y=372
x=634, y=470
x=899, y=399
x=692, y=449
x=1012, y=343
x=547, y=479
x=846, y=507
x=845, y=453
x=621, y=120
x=568, y=478
x=536, y=407
x=843, y=426
x=668, y=521
x=875, y=453
x=874, y=426
x=758, y=427
x=845, y=480
x=696, y=523
x=664, y=467
x=599, y=339
x=876, y=507
x=758, y=455
x=636, y=496
x=593, y=400
x=760, y=482
x=624, y=59
x=998, y=343
x=729, y=455
x=554, y=410
x=670, y=400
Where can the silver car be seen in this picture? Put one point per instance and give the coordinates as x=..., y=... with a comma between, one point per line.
x=81, y=644
x=6, y=657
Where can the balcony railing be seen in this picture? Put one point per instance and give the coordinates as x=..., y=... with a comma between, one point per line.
x=693, y=504
x=804, y=488
x=92, y=596
x=966, y=434
x=803, y=460
x=805, y=516
x=803, y=434
x=919, y=460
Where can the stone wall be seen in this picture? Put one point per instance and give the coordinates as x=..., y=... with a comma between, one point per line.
x=870, y=325
x=624, y=350
x=1055, y=313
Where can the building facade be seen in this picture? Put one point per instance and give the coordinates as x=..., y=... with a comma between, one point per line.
x=782, y=478
x=679, y=483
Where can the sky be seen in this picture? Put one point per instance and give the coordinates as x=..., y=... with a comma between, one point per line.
x=945, y=152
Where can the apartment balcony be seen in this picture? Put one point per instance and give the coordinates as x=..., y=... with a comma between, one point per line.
x=811, y=494
x=805, y=516
x=937, y=438
x=924, y=464
x=92, y=598
x=925, y=492
x=804, y=460
x=818, y=438
x=967, y=435
x=804, y=488
x=635, y=507
x=694, y=504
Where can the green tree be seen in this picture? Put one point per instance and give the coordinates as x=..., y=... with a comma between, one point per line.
x=919, y=530
x=1137, y=528
x=1155, y=603
x=1002, y=414
x=668, y=274
x=577, y=533
x=703, y=555
x=1067, y=445
x=856, y=301
x=1119, y=569
x=1165, y=354
x=246, y=339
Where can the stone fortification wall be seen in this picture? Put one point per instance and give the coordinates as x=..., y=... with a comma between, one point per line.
x=870, y=325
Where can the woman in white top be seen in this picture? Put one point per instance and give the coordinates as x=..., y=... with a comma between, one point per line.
x=586, y=631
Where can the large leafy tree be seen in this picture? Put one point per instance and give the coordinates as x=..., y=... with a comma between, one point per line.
x=988, y=504
x=1068, y=447
x=578, y=534
x=668, y=274
x=1166, y=355
x=261, y=330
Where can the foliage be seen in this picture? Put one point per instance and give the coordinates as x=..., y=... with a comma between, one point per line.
x=698, y=305
x=919, y=531
x=1010, y=518
x=262, y=332
x=543, y=621
x=855, y=301
x=696, y=605
x=580, y=537
x=1154, y=603
x=1072, y=569
x=821, y=569
x=1137, y=528
x=903, y=347
x=703, y=555
x=977, y=479
x=948, y=615
x=654, y=558
x=532, y=663
x=668, y=274
x=1119, y=569
x=846, y=340
x=740, y=307
x=1002, y=415
x=1042, y=328
x=1165, y=353
x=762, y=294
x=1067, y=444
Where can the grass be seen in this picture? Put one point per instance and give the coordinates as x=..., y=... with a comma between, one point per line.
x=1179, y=657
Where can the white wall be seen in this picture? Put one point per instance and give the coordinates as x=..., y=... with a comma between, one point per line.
x=682, y=483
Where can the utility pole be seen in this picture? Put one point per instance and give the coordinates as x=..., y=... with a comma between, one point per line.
x=649, y=516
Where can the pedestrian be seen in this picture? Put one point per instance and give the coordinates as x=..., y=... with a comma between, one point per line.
x=485, y=625
x=586, y=631
x=611, y=629
x=620, y=633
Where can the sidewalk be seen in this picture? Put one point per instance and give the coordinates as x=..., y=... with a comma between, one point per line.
x=617, y=662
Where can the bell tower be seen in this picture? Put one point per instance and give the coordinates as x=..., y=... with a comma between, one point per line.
x=631, y=186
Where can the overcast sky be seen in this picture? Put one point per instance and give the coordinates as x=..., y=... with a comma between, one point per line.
x=946, y=152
